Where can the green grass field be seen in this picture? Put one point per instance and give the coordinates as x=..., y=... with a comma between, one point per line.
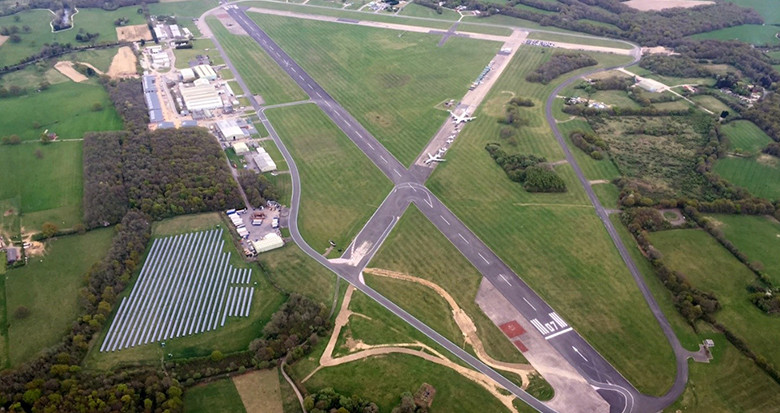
x=49, y=188
x=416, y=10
x=710, y=267
x=748, y=33
x=261, y=74
x=182, y=9
x=57, y=110
x=756, y=236
x=390, y=84
x=767, y=10
x=711, y=102
x=417, y=248
x=340, y=187
x=48, y=286
x=101, y=58
x=292, y=270
x=90, y=19
x=593, y=169
x=745, y=136
x=760, y=175
x=200, y=47
x=234, y=336
x=566, y=255
x=217, y=396
x=563, y=38
x=31, y=77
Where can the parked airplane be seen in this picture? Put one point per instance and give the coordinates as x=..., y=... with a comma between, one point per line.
x=434, y=158
x=462, y=118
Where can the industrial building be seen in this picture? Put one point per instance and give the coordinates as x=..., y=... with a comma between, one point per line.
x=240, y=148
x=263, y=160
x=189, y=123
x=267, y=243
x=175, y=32
x=200, y=97
x=187, y=75
x=229, y=129
x=152, y=101
x=205, y=72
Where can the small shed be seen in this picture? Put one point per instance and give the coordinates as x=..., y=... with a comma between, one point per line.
x=267, y=243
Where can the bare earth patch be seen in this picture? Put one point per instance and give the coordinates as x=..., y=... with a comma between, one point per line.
x=123, y=64
x=645, y=5
x=259, y=391
x=133, y=33
x=3, y=39
x=66, y=68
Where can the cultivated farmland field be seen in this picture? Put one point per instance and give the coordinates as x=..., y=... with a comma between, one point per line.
x=760, y=175
x=756, y=236
x=390, y=84
x=416, y=247
x=56, y=109
x=710, y=267
x=49, y=287
x=261, y=74
x=340, y=187
x=565, y=253
x=745, y=137
x=46, y=180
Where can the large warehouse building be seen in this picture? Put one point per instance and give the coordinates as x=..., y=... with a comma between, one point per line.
x=200, y=97
x=230, y=129
x=263, y=160
x=205, y=72
x=152, y=101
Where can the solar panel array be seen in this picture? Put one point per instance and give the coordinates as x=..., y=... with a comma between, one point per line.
x=186, y=286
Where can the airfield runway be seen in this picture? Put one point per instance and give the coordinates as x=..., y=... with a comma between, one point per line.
x=613, y=387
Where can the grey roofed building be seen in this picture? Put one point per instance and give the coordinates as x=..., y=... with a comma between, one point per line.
x=11, y=255
x=155, y=116
x=189, y=123
x=166, y=125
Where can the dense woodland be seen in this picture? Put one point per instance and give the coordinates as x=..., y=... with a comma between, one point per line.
x=257, y=188
x=163, y=173
x=560, y=63
x=128, y=99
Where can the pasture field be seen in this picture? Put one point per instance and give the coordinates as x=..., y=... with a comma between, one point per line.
x=100, y=58
x=261, y=74
x=182, y=9
x=55, y=109
x=49, y=287
x=217, y=396
x=90, y=19
x=756, y=236
x=617, y=98
x=292, y=270
x=607, y=194
x=259, y=390
x=563, y=38
x=593, y=169
x=767, y=10
x=710, y=267
x=199, y=47
x=745, y=137
x=416, y=247
x=234, y=336
x=349, y=14
x=413, y=9
x=711, y=102
x=340, y=187
x=31, y=77
x=389, y=84
x=46, y=180
x=749, y=33
x=760, y=175
x=383, y=379
x=730, y=382
x=566, y=256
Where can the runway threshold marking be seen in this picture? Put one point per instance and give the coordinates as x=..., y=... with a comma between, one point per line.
x=483, y=258
x=529, y=303
x=443, y=219
x=463, y=238
x=558, y=319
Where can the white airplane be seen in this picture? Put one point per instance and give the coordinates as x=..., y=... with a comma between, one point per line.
x=462, y=118
x=450, y=140
x=434, y=158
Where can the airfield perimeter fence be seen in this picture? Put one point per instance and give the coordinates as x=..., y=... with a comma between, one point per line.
x=186, y=286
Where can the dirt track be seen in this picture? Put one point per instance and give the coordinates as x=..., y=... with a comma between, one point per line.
x=414, y=349
x=66, y=68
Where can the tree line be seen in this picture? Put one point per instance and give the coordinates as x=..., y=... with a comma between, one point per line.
x=162, y=173
x=257, y=187
x=559, y=64
x=530, y=170
x=8, y=8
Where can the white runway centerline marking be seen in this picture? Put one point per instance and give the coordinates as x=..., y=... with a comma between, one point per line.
x=578, y=352
x=529, y=303
x=370, y=145
x=463, y=238
x=483, y=258
x=396, y=172
x=504, y=278
x=383, y=158
x=442, y=217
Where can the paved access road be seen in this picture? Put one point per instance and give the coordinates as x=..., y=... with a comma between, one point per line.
x=615, y=389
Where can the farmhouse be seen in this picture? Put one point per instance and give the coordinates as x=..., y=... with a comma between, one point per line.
x=230, y=129
x=240, y=148
x=267, y=243
x=263, y=160
x=200, y=97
